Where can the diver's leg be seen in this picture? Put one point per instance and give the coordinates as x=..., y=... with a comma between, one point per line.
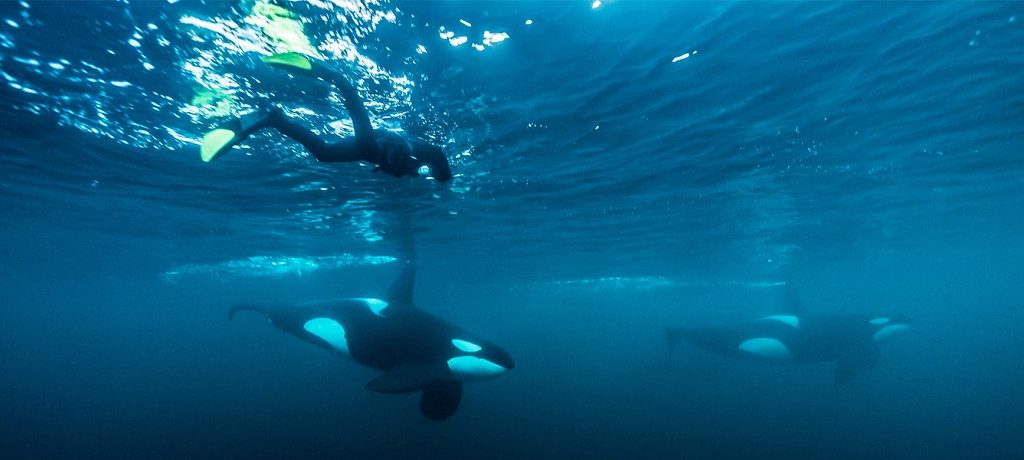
x=298, y=64
x=356, y=111
x=322, y=151
x=310, y=140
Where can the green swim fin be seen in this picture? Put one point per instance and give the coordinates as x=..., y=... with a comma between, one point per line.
x=225, y=136
x=216, y=142
x=290, y=61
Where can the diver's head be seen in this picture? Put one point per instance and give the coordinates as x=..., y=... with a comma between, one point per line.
x=433, y=157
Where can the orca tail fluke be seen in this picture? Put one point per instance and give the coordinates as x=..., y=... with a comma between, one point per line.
x=674, y=335
x=245, y=307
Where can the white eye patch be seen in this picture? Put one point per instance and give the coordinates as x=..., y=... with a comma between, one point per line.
x=466, y=346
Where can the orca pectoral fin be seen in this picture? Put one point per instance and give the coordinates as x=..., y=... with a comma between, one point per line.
x=441, y=400
x=408, y=377
x=855, y=361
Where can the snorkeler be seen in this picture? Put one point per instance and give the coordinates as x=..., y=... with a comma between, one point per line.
x=393, y=153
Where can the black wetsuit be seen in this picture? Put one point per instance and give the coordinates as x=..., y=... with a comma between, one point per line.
x=392, y=153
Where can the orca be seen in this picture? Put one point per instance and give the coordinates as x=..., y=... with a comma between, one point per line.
x=413, y=349
x=850, y=340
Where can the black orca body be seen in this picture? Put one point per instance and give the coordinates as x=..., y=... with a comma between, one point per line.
x=416, y=351
x=849, y=340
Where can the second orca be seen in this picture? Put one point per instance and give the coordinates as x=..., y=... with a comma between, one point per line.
x=848, y=339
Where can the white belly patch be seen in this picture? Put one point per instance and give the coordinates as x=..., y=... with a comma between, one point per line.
x=472, y=368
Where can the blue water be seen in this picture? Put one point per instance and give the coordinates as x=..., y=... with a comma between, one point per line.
x=619, y=169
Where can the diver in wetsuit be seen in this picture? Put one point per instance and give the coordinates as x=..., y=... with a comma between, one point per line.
x=393, y=153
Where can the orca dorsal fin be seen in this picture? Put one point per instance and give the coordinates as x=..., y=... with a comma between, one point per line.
x=399, y=294
x=791, y=301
